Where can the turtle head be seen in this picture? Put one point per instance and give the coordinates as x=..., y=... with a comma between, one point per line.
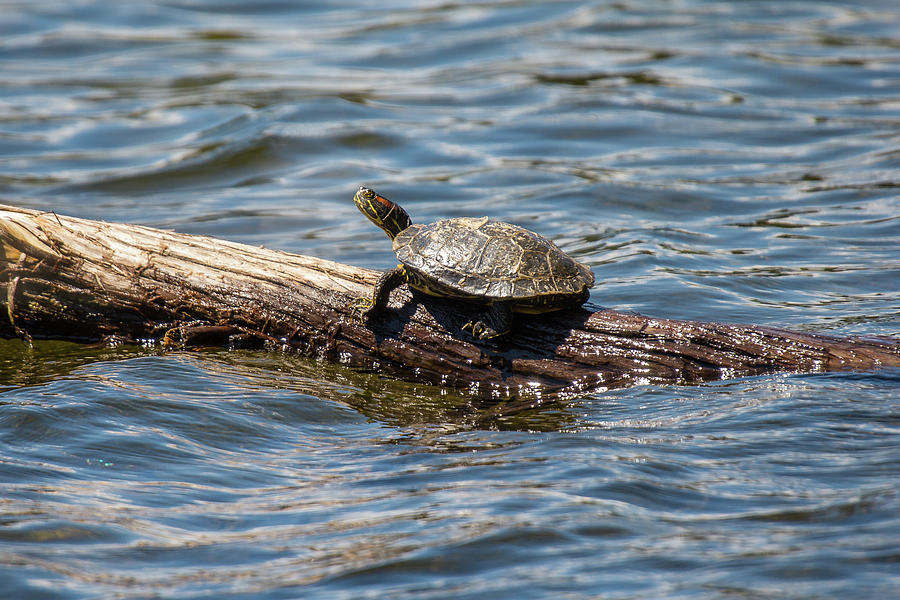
x=381, y=211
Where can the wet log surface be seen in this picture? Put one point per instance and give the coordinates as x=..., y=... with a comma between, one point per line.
x=76, y=279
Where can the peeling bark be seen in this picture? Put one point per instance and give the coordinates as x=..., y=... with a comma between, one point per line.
x=75, y=279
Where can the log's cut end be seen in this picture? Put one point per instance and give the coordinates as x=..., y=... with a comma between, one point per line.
x=77, y=279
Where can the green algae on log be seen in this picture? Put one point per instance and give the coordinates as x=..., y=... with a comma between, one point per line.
x=76, y=279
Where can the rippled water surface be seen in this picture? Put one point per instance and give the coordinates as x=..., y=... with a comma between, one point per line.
x=731, y=161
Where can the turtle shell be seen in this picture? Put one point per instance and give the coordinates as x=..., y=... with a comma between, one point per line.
x=491, y=260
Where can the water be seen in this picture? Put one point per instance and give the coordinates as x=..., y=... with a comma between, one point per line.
x=732, y=161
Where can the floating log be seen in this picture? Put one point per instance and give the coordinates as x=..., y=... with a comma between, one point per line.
x=76, y=279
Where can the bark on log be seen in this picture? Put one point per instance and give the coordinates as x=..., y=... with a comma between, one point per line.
x=75, y=279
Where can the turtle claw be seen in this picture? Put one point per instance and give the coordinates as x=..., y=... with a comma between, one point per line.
x=479, y=330
x=495, y=322
x=362, y=308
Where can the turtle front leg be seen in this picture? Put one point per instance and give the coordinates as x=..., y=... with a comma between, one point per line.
x=389, y=281
x=495, y=322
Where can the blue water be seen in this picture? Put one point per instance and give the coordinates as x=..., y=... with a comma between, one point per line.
x=730, y=161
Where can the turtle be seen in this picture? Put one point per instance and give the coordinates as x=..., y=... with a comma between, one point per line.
x=500, y=267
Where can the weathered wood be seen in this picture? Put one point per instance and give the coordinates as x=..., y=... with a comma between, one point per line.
x=75, y=279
